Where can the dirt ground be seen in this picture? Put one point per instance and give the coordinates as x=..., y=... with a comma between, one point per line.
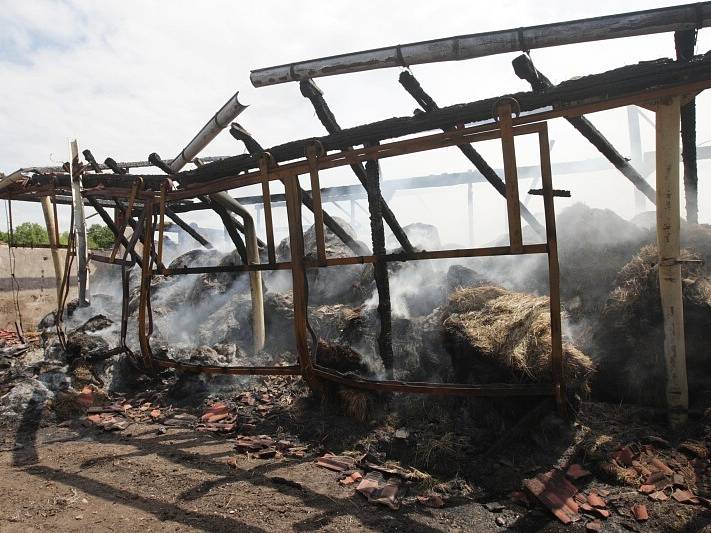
x=71, y=476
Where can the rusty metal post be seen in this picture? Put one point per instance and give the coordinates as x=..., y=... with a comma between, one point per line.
x=298, y=274
x=553, y=275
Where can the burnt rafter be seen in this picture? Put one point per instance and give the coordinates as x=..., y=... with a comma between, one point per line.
x=311, y=91
x=631, y=80
x=427, y=103
x=254, y=148
x=526, y=70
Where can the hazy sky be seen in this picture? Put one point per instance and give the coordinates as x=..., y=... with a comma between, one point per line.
x=129, y=78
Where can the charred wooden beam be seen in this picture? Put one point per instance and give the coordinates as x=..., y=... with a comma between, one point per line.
x=187, y=228
x=113, y=165
x=155, y=160
x=427, y=103
x=524, y=68
x=685, y=42
x=233, y=228
x=380, y=268
x=109, y=221
x=596, y=89
x=255, y=149
x=311, y=91
x=91, y=160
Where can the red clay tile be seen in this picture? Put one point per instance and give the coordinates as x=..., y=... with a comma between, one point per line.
x=556, y=493
x=639, y=510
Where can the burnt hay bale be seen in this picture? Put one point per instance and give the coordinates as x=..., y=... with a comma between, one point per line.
x=495, y=335
x=628, y=341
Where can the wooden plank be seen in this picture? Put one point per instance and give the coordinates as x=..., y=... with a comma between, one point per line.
x=557, y=363
x=494, y=42
x=513, y=201
x=670, y=282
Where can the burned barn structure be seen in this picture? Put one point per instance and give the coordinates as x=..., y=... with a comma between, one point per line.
x=144, y=203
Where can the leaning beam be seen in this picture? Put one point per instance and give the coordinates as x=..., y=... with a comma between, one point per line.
x=495, y=42
x=311, y=91
x=413, y=87
x=524, y=68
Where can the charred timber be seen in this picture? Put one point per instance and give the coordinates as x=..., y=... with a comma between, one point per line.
x=113, y=165
x=311, y=91
x=254, y=148
x=427, y=103
x=525, y=69
x=187, y=228
x=685, y=41
x=596, y=88
x=109, y=221
x=380, y=268
x=92, y=161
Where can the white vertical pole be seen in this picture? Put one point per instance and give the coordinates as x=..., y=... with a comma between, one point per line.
x=79, y=225
x=668, y=126
x=640, y=202
x=470, y=212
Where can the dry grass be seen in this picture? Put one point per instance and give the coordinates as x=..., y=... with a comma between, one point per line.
x=511, y=330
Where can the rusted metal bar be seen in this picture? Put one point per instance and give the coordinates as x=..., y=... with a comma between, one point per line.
x=144, y=294
x=380, y=269
x=298, y=276
x=513, y=201
x=437, y=389
x=634, y=23
x=524, y=68
x=427, y=103
x=685, y=42
x=370, y=259
x=553, y=275
x=311, y=91
x=293, y=370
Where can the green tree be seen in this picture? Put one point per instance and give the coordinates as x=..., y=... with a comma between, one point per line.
x=99, y=237
x=30, y=234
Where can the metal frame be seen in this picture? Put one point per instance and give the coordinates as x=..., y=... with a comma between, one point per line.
x=312, y=372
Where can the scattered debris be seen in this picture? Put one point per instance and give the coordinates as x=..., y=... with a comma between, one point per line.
x=556, y=493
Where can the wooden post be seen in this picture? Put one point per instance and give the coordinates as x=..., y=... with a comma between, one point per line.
x=511, y=173
x=298, y=273
x=670, y=284
x=79, y=225
x=51, y=224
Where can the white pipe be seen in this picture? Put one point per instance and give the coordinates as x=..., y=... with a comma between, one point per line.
x=666, y=19
x=214, y=126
